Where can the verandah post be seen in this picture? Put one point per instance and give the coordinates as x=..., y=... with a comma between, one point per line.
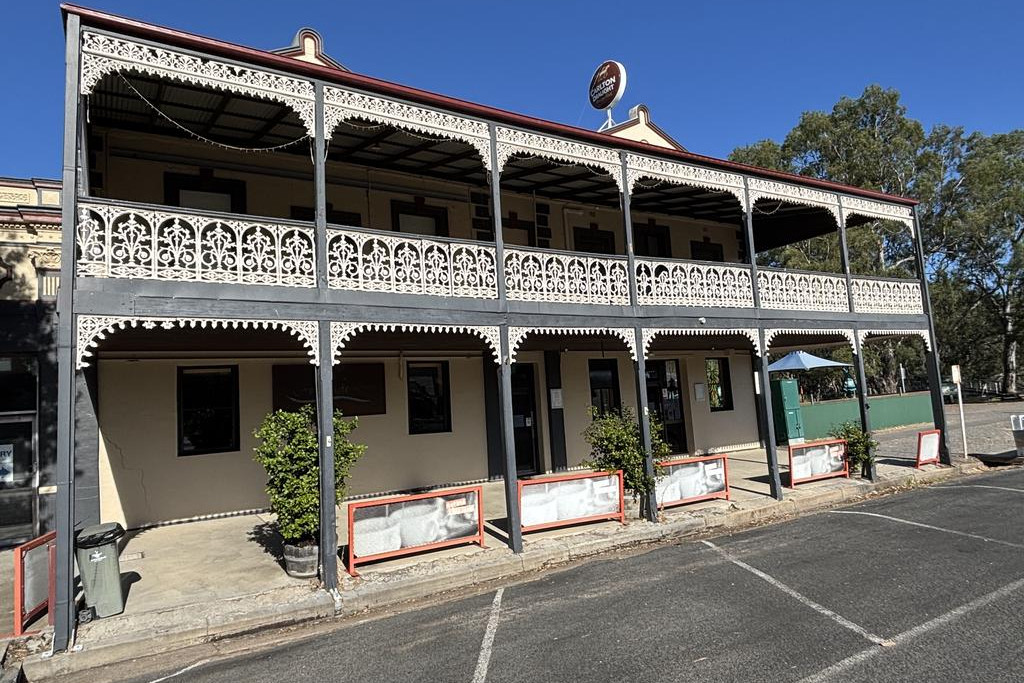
x=862, y=396
x=762, y=386
x=650, y=499
x=512, y=516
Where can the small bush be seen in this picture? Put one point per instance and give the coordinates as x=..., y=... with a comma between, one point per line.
x=289, y=452
x=860, y=447
x=615, y=444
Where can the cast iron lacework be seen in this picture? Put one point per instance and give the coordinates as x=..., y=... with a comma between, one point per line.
x=924, y=334
x=512, y=142
x=796, y=194
x=516, y=336
x=102, y=55
x=683, y=174
x=343, y=104
x=769, y=335
x=679, y=283
x=873, y=209
x=560, y=277
x=92, y=328
x=800, y=291
x=161, y=245
x=886, y=296
x=650, y=333
x=404, y=264
x=342, y=332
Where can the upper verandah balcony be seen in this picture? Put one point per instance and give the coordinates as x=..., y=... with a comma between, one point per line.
x=408, y=201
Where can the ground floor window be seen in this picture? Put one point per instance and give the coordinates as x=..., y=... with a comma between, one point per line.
x=604, y=385
x=430, y=408
x=207, y=410
x=719, y=383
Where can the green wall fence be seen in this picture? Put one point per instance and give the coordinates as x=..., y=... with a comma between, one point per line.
x=886, y=412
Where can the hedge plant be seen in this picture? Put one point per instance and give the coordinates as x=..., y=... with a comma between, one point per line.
x=615, y=444
x=289, y=452
x=860, y=447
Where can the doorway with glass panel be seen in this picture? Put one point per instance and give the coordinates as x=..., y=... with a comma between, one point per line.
x=665, y=400
x=19, y=463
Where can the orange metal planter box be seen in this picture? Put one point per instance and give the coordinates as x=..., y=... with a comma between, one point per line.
x=573, y=504
x=809, y=468
x=671, y=492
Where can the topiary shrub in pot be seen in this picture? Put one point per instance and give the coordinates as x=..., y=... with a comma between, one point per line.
x=289, y=452
x=615, y=444
x=860, y=447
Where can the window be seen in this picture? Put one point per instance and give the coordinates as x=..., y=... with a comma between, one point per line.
x=18, y=379
x=204, y=192
x=593, y=241
x=604, y=385
x=651, y=240
x=419, y=219
x=430, y=409
x=207, y=410
x=352, y=219
x=358, y=388
x=706, y=251
x=719, y=384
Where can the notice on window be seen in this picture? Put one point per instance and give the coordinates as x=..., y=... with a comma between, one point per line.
x=6, y=463
x=684, y=481
x=816, y=460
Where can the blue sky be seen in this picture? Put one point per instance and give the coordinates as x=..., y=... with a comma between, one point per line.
x=715, y=75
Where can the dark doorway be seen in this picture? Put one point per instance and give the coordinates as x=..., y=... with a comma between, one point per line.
x=524, y=418
x=665, y=399
x=594, y=241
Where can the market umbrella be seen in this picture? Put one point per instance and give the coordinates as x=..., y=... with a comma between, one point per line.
x=801, y=360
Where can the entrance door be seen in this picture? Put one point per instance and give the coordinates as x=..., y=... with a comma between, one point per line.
x=665, y=400
x=524, y=418
x=18, y=469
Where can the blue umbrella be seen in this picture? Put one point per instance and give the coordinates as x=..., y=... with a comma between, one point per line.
x=801, y=360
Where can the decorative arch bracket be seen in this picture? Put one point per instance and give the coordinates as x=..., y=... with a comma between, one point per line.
x=340, y=104
x=650, y=333
x=862, y=335
x=342, y=332
x=638, y=167
x=102, y=55
x=769, y=335
x=90, y=329
x=878, y=210
x=516, y=336
x=512, y=141
x=795, y=194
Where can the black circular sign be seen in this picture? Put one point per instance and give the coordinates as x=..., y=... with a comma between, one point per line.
x=607, y=85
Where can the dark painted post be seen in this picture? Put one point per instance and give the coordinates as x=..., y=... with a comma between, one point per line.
x=499, y=237
x=844, y=257
x=325, y=370
x=932, y=363
x=627, y=226
x=862, y=396
x=87, y=448
x=64, y=608
x=764, y=402
x=556, y=415
x=748, y=224
x=650, y=502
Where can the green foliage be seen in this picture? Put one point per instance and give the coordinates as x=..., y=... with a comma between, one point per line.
x=615, y=444
x=860, y=447
x=289, y=452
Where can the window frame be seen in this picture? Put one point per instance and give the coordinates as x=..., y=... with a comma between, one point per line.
x=446, y=396
x=616, y=390
x=724, y=382
x=422, y=210
x=236, y=435
x=204, y=181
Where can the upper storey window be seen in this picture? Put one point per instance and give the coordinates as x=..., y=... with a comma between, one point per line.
x=418, y=218
x=204, y=192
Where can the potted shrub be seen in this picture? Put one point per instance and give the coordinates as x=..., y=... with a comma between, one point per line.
x=289, y=452
x=615, y=444
x=860, y=447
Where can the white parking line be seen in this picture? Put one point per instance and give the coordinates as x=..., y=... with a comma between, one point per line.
x=179, y=672
x=821, y=609
x=842, y=666
x=484, y=660
x=980, y=486
x=928, y=526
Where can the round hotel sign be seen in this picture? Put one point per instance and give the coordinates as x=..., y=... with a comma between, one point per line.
x=607, y=85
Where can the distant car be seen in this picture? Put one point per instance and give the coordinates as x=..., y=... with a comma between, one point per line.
x=948, y=390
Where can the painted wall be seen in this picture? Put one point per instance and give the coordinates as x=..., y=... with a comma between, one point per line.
x=886, y=412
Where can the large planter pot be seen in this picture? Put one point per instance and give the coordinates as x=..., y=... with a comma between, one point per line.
x=301, y=561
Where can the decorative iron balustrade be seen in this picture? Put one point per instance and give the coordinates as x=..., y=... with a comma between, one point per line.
x=132, y=242
x=408, y=264
x=871, y=295
x=684, y=283
x=566, y=278
x=802, y=291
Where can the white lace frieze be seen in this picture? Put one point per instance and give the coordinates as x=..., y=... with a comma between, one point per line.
x=90, y=329
x=340, y=105
x=342, y=332
x=403, y=264
x=870, y=208
x=516, y=336
x=683, y=174
x=102, y=55
x=799, y=291
x=886, y=296
x=923, y=334
x=796, y=194
x=513, y=141
x=680, y=283
x=558, y=277
x=770, y=335
x=651, y=333
x=139, y=243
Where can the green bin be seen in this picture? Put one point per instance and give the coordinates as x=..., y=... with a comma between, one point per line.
x=100, y=568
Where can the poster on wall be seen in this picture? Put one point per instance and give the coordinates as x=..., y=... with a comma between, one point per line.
x=558, y=501
x=691, y=479
x=928, y=447
x=7, y=463
x=817, y=460
x=395, y=526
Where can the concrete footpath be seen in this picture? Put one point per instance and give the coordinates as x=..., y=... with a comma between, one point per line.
x=123, y=638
